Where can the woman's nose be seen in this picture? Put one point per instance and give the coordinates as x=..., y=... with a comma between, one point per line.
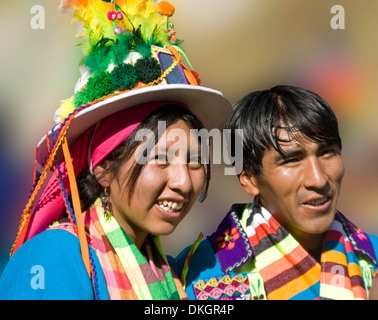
x=180, y=178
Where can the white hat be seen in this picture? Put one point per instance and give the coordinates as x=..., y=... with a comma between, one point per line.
x=125, y=66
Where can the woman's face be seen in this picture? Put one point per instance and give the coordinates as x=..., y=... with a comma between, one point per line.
x=166, y=188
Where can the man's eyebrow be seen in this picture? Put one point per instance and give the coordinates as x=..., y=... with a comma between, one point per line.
x=287, y=154
x=294, y=152
x=324, y=145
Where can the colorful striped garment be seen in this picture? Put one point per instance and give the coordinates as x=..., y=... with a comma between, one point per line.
x=251, y=248
x=290, y=272
x=129, y=273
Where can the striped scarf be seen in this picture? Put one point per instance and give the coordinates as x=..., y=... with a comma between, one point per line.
x=128, y=273
x=290, y=272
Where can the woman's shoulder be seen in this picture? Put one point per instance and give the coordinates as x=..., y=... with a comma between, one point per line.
x=48, y=266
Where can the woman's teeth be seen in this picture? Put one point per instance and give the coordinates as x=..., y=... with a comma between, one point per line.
x=170, y=206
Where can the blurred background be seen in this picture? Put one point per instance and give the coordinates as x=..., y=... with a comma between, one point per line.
x=236, y=47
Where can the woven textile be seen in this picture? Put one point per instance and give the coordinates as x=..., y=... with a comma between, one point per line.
x=225, y=288
x=128, y=273
x=290, y=272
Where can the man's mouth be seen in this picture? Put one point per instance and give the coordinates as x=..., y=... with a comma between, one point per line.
x=317, y=202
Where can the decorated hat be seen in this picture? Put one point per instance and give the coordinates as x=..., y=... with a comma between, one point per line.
x=131, y=56
x=132, y=65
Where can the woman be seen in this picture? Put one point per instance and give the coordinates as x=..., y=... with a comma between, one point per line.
x=119, y=180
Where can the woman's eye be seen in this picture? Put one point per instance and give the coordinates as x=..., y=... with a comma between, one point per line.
x=195, y=162
x=160, y=159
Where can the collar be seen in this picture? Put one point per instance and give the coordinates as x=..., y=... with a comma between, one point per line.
x=359, y=239
x=230, y=242
x=233, y=249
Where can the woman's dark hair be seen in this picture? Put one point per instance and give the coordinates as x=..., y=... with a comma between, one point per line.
x=88, y=186
x=262, y=114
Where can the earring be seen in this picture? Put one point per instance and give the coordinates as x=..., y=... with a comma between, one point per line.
x=106, y=205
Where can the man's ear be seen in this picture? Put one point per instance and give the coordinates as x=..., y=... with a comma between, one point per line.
x=102, y=177
x=249, y=183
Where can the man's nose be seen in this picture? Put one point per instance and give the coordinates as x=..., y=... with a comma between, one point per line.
x=314, y=173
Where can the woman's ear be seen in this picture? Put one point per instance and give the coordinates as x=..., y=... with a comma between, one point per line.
x=102, y=177
x=249, y=183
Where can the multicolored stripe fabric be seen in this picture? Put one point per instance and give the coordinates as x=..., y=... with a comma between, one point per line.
x=290, y=272
x=117, y=281
x=129, y=273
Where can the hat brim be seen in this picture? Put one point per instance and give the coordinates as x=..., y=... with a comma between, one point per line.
x=208, y=105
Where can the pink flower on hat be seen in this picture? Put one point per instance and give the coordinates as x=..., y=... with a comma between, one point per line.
x=112, y=15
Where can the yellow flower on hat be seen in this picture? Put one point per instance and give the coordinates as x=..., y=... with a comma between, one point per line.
x=66, y=107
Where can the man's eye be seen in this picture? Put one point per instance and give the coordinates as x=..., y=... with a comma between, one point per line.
x=330, y=152
x=290, y=160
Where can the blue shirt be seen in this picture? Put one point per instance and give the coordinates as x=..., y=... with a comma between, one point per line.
x=50, y=267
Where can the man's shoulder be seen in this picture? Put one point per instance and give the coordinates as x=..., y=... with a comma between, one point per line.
x=223, y=251
x=203, y=257
x=374, y=241
x=363, y=243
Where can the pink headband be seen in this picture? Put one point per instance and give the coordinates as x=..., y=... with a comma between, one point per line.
x=101, y=139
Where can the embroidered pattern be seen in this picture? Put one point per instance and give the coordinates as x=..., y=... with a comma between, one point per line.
x=228, y=238
x=257, y=286
x=223, y=288
x=358, y=238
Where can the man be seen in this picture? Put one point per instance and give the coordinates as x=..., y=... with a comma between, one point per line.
x=290, y=242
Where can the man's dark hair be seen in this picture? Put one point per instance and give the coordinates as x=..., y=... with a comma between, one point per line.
x=262, y=114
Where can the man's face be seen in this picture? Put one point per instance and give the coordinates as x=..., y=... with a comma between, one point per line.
x=301, y=189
